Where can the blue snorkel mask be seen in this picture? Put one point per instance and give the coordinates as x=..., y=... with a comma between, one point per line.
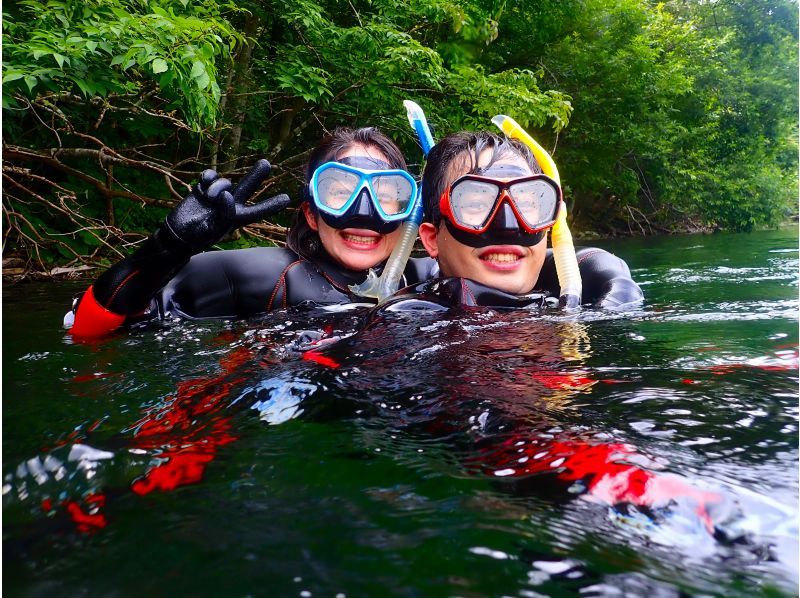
x=361, y=192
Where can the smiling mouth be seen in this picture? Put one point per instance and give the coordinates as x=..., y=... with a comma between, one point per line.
x=361, y=241
x=501, y=258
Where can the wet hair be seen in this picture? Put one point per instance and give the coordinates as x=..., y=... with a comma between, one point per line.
x=457, y=155
x=302, y=239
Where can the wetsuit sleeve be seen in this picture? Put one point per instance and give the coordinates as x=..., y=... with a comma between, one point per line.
x=202, y=218
x=127, y=288
x=606, y=279
x=233, y=284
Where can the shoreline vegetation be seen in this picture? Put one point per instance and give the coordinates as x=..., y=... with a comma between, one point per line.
x=16, y=269
x=663, y=117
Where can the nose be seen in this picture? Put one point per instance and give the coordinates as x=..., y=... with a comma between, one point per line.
x=364, y=204
x=505, y=221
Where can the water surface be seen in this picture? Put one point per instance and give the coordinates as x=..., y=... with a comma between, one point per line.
x=419, y=454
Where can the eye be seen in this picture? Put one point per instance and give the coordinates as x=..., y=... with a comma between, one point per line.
x=394, y=192
x=537, y=200
x=473, y=204
x=335, y=187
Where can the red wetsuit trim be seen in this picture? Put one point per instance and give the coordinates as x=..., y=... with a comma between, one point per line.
x=92, y=319
x=606, y=470
x=281, y=284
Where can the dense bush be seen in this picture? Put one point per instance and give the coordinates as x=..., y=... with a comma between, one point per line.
x=662, y=116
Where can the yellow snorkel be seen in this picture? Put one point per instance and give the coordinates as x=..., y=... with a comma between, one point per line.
x=569, y=275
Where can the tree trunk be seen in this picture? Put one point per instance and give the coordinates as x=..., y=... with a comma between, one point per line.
x=239, y=83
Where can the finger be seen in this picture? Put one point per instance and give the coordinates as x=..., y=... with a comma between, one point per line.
x=227, y=205
x=213, y=197
x=249, y=214
x=216, y=189
x=207, y=177
x=252, y=181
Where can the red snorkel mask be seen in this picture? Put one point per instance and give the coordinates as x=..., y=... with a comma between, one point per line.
x=481, y=211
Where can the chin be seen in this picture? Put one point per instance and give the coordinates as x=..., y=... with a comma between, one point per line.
x=361, y=263
x=513, y=287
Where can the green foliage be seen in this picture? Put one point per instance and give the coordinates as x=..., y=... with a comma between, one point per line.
x=673, y=115
x=100, y=47
x=356, y=63
x=684, y=123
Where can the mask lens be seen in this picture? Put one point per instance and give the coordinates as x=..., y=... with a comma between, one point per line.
x=394, y=193
x=335, y=187
x=472, y=201
x=536, y=201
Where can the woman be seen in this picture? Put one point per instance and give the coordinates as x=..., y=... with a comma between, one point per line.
x=357, y=193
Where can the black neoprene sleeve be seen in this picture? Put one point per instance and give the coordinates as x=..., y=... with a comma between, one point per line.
x=128, y=286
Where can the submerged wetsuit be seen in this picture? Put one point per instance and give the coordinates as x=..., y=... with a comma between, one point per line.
x=247, y=282
x=510, y=450
x=221, y=284
x=606, y=281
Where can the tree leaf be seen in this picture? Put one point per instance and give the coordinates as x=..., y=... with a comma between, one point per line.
x=159, y=65
x=203, y=80
x=198, y=69
x=31, y=82
x=85, y=87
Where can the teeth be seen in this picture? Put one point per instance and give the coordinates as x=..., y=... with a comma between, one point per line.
x=501, y=257
x=362, y=240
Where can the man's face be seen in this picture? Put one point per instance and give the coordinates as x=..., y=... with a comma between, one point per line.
x=508, y=267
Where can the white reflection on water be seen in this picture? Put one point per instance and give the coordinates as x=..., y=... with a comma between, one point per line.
x=738, y=310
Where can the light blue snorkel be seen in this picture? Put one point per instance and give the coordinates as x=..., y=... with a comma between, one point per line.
x=416, y=117
x=384, y=286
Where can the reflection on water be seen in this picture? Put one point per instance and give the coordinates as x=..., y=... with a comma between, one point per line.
x=465, y=452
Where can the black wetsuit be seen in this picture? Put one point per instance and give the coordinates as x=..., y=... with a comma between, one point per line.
x=247, y=282
x=606, y=282
x=220, y=284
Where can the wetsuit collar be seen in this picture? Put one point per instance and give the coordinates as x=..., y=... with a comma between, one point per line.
x=463, y=292
x=339, y=276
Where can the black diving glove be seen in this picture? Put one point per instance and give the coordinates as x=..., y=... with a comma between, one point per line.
x=204, y=216
x=211, y=211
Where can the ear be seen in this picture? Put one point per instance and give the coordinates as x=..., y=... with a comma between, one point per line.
x=428, y=234
x=311, y=217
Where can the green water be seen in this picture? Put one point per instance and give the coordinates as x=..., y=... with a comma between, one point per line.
x=212, y=459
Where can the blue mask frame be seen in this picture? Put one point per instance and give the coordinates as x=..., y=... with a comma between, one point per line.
x=364, y=184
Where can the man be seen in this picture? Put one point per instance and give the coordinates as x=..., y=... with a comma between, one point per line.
x=487, y=211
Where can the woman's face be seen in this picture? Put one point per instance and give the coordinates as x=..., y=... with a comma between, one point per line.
x=354, y=248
